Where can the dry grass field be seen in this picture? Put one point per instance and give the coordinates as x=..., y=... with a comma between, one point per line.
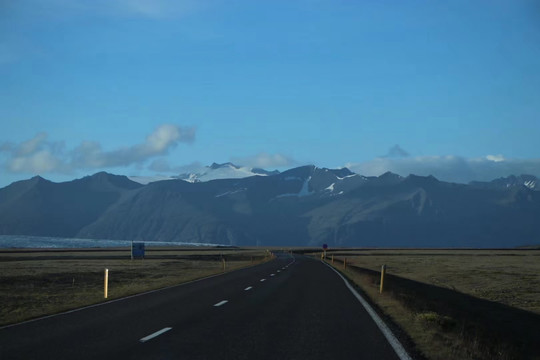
x=455, y=304
x=511, y=277
x=38, y=283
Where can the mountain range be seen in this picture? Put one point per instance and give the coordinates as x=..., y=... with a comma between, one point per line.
x=304, y=206
x=207, y=173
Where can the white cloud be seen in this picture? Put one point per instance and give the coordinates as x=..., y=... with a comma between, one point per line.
x=165, y=137
x=265, y=161
x=38, y=162
x=261, y=160
x=450, y=168
x=38, y=155
x=32, y=145
x=496, y=158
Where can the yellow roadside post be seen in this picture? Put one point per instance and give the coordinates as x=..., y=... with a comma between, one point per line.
x=332, y=259
x=383, y=272
x=345, y=263
x=106, y=283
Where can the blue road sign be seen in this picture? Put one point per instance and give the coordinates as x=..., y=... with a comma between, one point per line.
x=137, y=250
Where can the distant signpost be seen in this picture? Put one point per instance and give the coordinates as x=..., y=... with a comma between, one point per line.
x=137, y=250
x=324, y=246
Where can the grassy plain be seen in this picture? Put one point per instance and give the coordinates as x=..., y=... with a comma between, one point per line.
x=455, y=304
x=511, y=277
x=38, y=283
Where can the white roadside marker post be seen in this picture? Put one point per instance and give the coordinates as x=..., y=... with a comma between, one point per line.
x=106, y=283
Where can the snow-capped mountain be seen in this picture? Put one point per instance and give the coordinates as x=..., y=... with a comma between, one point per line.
x=223, y=171
x=512, y=181
x=306, y=205
x=206, y=173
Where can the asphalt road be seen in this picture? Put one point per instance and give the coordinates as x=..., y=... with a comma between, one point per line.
x=289, y=308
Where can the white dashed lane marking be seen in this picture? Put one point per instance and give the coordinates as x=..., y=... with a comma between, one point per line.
x=157, y=333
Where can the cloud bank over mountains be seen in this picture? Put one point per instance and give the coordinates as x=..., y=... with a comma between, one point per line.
x=266, y=161
x=449, y=168
x=41, y=155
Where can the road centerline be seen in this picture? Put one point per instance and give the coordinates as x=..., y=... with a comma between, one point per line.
x=248, y=288
x=221, y=303
x=153, y=335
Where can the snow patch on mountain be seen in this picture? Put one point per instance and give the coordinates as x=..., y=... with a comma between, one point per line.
x=512, y=181
x=208, y=173
x=304, y=191
x=305, y=188
x=530, y=184
x=144, y=180
x=222, y=171
x=345, y=177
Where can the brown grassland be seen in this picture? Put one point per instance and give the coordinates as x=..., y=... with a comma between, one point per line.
x=38, y=283
x=443, y=304
x=455, y=304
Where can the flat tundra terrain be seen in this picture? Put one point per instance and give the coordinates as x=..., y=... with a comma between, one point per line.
x=511, y=277
x=454, y=304
x=451, y=304
x=34, y=283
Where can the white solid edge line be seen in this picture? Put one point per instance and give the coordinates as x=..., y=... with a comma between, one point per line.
x=394, y=342
x=248, y=288
x=221, y=303
x=157, y=333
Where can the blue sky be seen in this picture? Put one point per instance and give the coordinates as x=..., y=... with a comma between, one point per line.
x=141, y=87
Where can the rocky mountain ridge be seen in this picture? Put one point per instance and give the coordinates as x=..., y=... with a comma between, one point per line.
x=303, y=206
